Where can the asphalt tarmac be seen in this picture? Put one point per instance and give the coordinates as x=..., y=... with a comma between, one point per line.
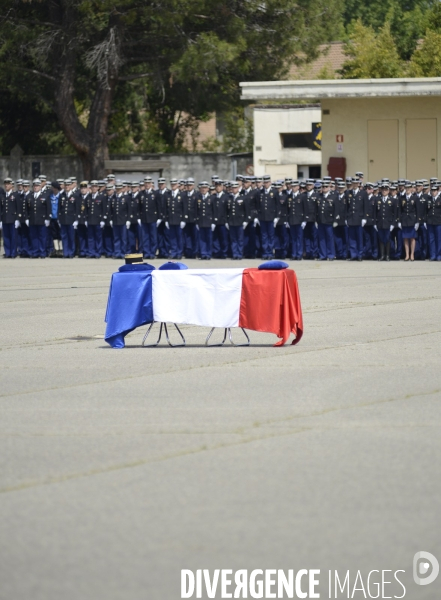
x=119, y=468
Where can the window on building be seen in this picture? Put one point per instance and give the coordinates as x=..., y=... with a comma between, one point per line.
x=298, y=140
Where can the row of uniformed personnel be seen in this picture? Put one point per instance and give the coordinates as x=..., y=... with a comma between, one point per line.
x=314, y=219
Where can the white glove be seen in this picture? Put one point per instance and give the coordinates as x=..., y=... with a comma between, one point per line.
x=334, y=224
x=227, y=226
x=276, y=220
x=1, y=225
x=17, y=224
x=256, y=222
x=417, y=226
x=316, y=225
x=391, y=228
x=85, y=223
x=363, y=222
x=425, y=226
x=75, y=224
x=287, y=225
x=376, y=228
x=399, y=225
x=27, y=222
x=183, y=224
x=167, y=225
x=128, y=224
x=59, y=223
x=197, y=227
x=102, y=224
x=139, y=222
x=303, y=225
x=244, y=225
x=111, y=223
x=346, y=223
x=158, y=222
x=47, y=222
x=213, y=226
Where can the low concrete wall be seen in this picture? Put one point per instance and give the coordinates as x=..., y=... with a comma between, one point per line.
x=200, y=166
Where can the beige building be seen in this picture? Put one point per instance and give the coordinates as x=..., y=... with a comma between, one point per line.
x=283, y=141
x=383, y=127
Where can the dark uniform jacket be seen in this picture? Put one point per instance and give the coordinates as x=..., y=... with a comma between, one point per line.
x=205, y=211
x=175, y=208
x=310, y=206
x=82, y=201
x=133, y=207
x=9, y=207
x=120, y=209
x=95, y=208
x=423, y=203
x=107, y=208
x=340, y=209
x=282, y=212
x=268, y=204
x=220, y=204
x=39, y=208
x=386, y=212
x=434, y=210
x=296, y=209
x=67, y=209
x=251, y=198
x=369, y=209
x=355, y=208
x=326, y=209
x=236, y=210
x=409, y=210
x=190, y=203
x=149, y=206
x=22, y=207
x=162, y=197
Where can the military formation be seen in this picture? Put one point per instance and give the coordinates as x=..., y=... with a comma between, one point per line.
x=251, y=217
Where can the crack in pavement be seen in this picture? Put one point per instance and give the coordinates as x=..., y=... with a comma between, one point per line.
x=247, y=439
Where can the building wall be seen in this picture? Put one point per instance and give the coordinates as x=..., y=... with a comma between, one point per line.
x=198, y=165
x=269, y=154
x=350, y=116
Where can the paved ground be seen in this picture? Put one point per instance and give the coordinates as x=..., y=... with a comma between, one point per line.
x=120, y=468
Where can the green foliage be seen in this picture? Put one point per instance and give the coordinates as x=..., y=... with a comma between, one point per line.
x=407, y=19
x=174, y=61
x=426, y=61
x=371, y=55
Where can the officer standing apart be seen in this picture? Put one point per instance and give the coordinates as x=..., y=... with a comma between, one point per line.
x=205, y=223
x=9, y=223
x=251, y=210
x=237, y=221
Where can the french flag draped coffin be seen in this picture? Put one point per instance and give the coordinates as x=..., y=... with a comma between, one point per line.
x=259, y=300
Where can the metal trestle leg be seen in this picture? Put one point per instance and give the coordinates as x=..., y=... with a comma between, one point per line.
x=227, y=330
x=160, y=335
